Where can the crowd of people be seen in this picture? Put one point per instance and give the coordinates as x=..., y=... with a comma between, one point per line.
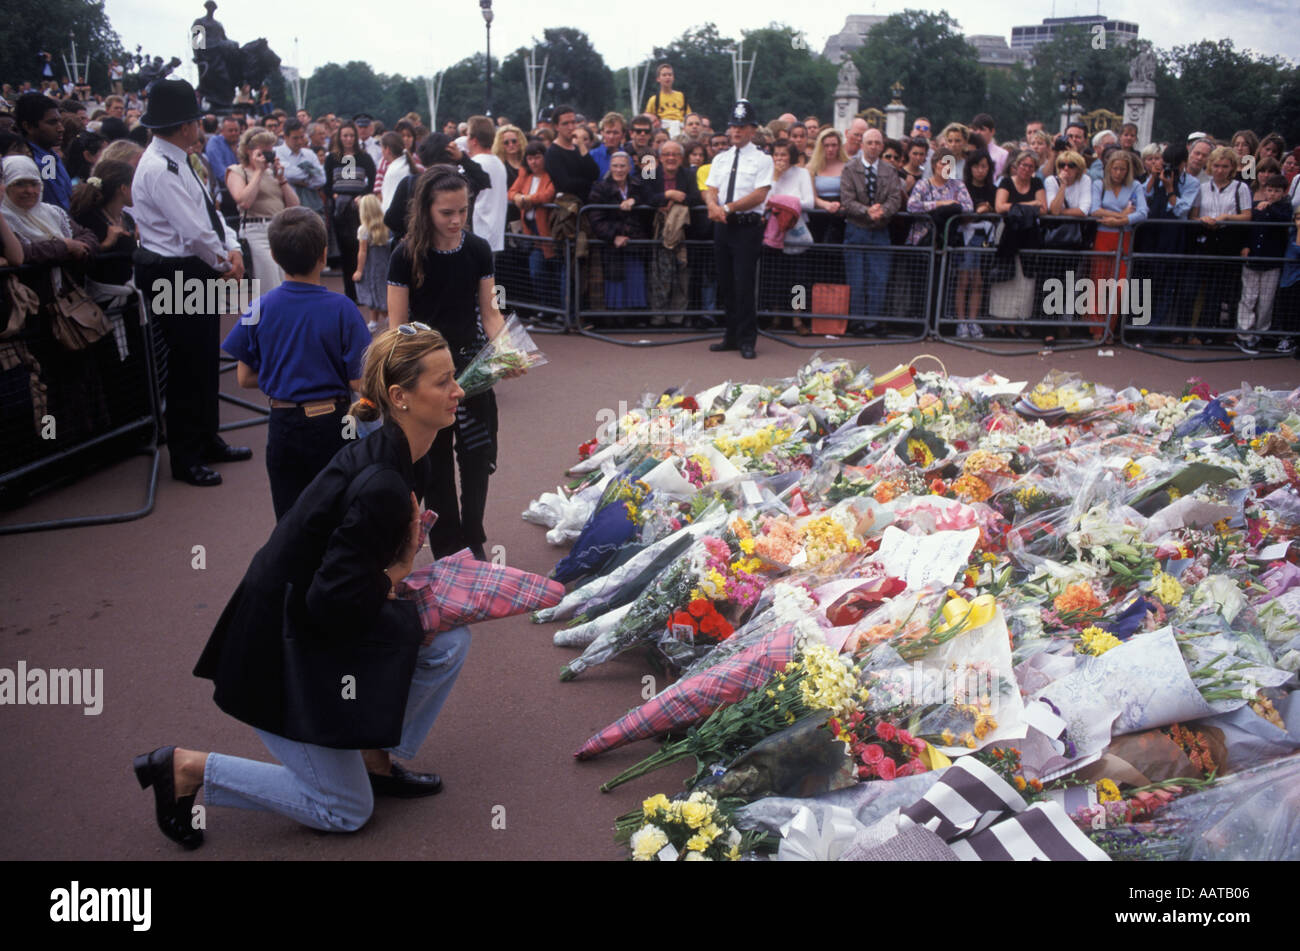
x=422, y=226
x=667, y=236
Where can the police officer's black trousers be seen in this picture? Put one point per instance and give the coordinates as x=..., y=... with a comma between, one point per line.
x=736, y=248
x=193, y=351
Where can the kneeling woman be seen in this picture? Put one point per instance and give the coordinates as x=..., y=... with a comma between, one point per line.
x=441, y=275
x=326, y=577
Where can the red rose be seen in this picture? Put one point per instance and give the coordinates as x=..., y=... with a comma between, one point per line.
x=887, y=768
x=872, y=754
x=886, y=730
x=699, y=607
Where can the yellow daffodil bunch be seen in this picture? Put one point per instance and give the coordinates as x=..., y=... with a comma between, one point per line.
x=1107, y=791
x=1093, y=640
x=829, y=683
x=697, y=829
x=824, y=537
x=1167, y=588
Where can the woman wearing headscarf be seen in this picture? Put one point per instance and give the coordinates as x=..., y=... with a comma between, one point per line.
x=47, y=234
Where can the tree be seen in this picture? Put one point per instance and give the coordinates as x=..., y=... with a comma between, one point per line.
x=927, y=53
x=344, y=90
x=1103, y=70
x=1213, y=87
x=34, y=25
x=788, y=77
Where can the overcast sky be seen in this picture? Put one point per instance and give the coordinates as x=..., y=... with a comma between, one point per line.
x=398, y=36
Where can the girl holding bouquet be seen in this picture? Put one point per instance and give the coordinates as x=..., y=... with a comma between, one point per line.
x=442, y=275
x=321, y=592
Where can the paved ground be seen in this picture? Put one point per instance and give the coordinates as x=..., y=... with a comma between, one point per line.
x=127, y=599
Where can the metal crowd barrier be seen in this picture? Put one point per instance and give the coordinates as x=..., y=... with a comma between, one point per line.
x=900, y=292
x=533, y=272
x=643, y=286
x=1028, y=299
x=884, y=290
x=1198, y=290
x=64, y=412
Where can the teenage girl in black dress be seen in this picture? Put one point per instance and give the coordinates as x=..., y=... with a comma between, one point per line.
x=442, y=276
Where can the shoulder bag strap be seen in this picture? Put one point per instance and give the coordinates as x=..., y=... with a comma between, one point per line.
x=358, y=482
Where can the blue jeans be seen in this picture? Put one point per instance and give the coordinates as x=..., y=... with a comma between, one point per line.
x=327, y=788
x=868, y=272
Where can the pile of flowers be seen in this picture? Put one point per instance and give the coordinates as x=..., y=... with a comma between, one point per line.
x=864, y=578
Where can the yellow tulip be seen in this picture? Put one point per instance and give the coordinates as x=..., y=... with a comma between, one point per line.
x=975, y=613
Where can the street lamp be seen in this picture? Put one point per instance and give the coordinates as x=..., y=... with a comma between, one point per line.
x=1072, y=85
x=485, y=7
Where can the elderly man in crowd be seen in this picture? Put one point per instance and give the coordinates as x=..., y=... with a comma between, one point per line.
x=870, y=196
x=853, y=137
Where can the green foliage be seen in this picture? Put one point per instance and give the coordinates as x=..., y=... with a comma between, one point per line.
x=1104, y=73
x=788, y=77
x=926, y=52
x=1213, y=87
x=32, y=25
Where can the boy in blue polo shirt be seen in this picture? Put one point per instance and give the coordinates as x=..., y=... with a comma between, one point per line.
x=302, y=345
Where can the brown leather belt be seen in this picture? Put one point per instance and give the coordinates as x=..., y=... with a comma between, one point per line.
x=315, y=408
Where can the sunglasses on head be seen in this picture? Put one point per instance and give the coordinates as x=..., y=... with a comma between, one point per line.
x=406, y=330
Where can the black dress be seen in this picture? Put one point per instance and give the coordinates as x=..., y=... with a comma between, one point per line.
x=447, y=300
x=335, y=562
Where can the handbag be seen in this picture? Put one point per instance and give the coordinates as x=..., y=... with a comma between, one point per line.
x=348, y=693
x=78, y=321
x=830, y=299
x=1064, y=237
x=22, y=302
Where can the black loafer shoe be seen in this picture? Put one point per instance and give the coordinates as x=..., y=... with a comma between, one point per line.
x=405, y=784
x=721, y=346
x=748, y=353
x=221, y=452
x=199, y=474
x=155, y=769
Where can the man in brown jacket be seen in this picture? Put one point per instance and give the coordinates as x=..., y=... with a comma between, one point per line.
x=870, y=195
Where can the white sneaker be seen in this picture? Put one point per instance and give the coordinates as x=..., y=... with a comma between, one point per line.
x=976, y=331
x=963, y=330
x=372, y=326
x=1286, y=345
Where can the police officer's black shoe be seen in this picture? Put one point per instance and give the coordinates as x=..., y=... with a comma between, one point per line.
x=199, y=474
x=722, y=345
x=748, y=353
x=220, y=451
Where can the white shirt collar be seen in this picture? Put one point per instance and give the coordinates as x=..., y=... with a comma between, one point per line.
x=169, y=150
x=865, y=164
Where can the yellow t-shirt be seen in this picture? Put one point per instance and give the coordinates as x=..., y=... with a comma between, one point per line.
x=702, y=176
x=671, y=106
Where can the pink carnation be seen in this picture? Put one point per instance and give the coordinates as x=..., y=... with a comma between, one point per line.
x=872, y=754
x=887, y=769
x=886, y=731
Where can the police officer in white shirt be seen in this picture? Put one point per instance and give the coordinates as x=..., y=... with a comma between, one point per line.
x=183, y=237
x=365, y=126
x=736, y=193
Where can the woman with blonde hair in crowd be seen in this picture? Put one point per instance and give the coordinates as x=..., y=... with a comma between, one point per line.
x=261, y=191
x=825, y=166
x=1120, y=204
x=371, y=276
